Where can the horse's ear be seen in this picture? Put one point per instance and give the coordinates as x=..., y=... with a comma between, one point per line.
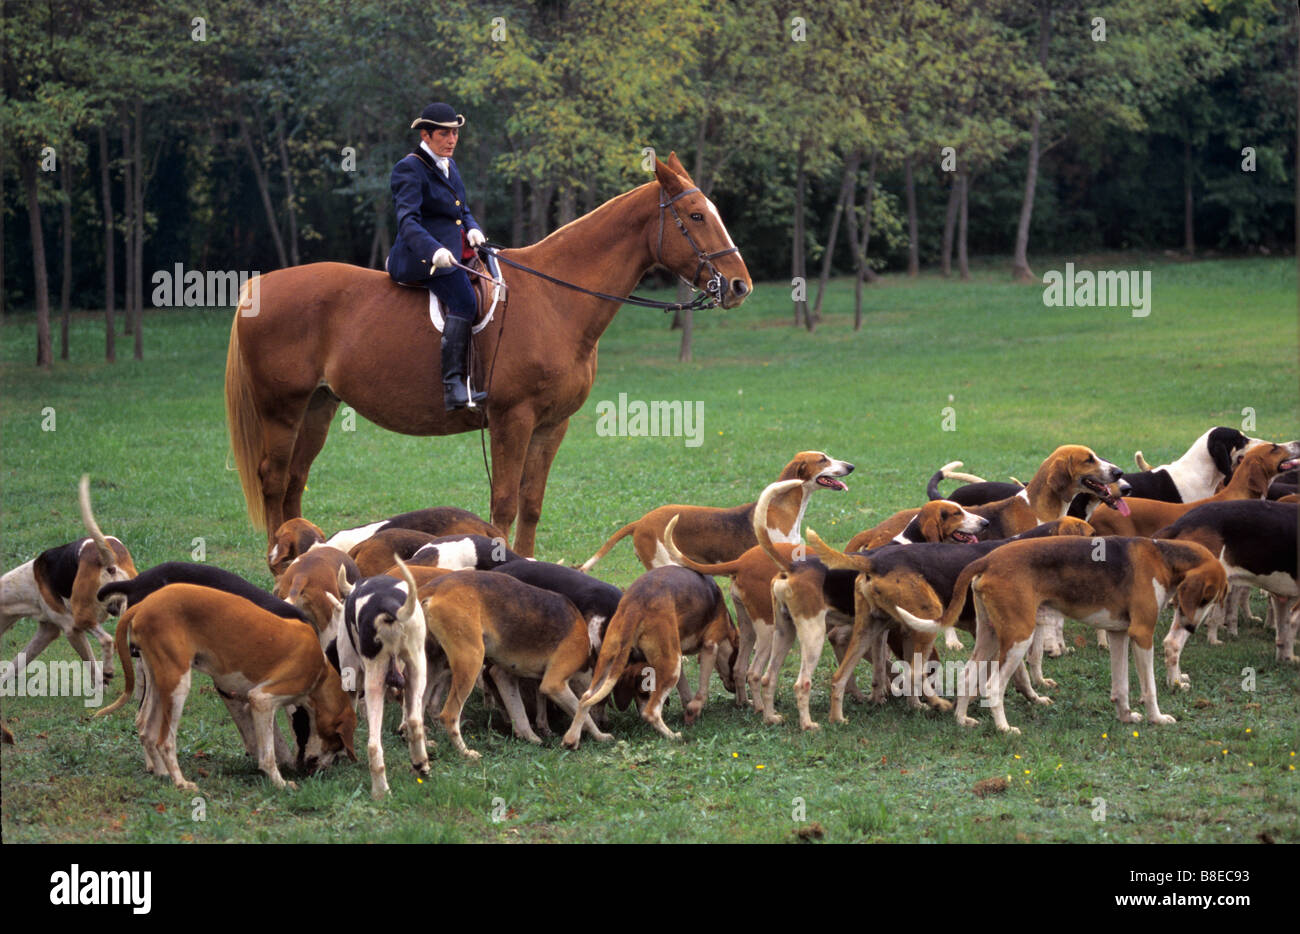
x=671, y=182
x=676, y=165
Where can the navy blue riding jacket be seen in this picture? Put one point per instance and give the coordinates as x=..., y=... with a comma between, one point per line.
x=432, y=211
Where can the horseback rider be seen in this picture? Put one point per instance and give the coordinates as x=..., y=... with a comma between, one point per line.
x=435, y=228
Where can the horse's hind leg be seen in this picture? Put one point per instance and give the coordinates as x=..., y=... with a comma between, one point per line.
x=532, y=487
x=279, y=440
x=311, y=438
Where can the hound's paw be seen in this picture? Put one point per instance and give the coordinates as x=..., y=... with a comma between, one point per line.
x=1163, y=718
x=1043, y=699
x=291, y=786
x=1131, y=716
x=571, y=742
x=422, y=769
x=772, y=719
x=602, y=737
x=1010, y=730
x=187, y=786
x=379, y=794
x=967, y=721
x=840, y=718
x=471, y=755
x=938, y=703
x=1049, y=684
x=811, y=725
x=676, y=736
x=1214, y=640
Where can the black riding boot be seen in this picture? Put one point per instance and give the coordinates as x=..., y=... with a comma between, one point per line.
x=455, y=346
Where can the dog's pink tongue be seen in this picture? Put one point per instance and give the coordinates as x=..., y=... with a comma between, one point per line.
x=1122, y=507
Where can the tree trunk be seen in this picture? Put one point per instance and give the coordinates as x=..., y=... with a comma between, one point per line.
x=1189, y=212
x=848, y=181
x=65, y=284
x=110, y=286
x=137, y=271
x=517, y=212
x=540, y=211
x=30, y=183
x=287, y=169
x=950, y=224
x=797, y=267
x=861, y=267
x=1020, y=270
x=567, y=207
x=913, y=245
x=259, y=174
x=963, y=181
x=128, y=227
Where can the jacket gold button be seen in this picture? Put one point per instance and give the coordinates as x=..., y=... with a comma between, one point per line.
x=457, y=223
x=457, y=204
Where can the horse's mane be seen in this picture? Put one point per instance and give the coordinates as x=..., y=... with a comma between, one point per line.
x=612, y=203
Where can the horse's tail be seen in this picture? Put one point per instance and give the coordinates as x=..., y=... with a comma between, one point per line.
x=604, y=549
x=242, y=420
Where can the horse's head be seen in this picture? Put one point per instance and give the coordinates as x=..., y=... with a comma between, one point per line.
x=691, y=240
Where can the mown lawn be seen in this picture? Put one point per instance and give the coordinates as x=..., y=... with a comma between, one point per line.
x=1011, y=377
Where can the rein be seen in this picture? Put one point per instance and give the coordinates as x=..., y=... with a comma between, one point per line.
x=710, y=297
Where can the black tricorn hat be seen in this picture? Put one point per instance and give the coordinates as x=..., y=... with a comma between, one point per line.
x=438, y=115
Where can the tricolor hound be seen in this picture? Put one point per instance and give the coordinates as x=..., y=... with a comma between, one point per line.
x=711, y=534
x=1120, y=589
x=57, y=589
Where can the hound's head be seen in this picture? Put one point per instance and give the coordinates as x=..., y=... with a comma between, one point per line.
x=1265, y=460
x=942, y=520
x=295, y=537
x=333, y=724
x=1074, y=469
x=1204, y=587
x=817, y=469
x=1224, y=447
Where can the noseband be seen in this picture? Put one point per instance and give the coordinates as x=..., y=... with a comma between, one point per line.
x=717, y=283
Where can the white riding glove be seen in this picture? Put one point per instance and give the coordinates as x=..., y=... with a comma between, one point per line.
x=442, y=259
x=475, y=237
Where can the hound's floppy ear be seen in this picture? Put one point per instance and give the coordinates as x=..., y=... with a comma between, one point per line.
x=1221, y=454
x=1060, y=475
x=931, y=526
x=1198, y=587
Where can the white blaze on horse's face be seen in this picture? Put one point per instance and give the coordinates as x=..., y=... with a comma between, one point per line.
x=713, y=208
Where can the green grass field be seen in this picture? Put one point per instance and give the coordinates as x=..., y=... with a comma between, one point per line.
x=1219, y=347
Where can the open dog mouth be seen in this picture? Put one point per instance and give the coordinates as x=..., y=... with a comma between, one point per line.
x=1292, y=464
x=831, y=483
x=1103, y=493
x=965, y=538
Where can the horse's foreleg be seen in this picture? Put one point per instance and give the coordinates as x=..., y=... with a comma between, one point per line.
x=511, y=434
x=537, y=467
x=311, y=438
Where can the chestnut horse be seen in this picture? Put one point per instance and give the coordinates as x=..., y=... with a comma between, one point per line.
x=328, y=333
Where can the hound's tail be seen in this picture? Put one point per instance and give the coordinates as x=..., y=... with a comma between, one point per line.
x=242, y=419
x=948, y=472
x=121, y=640
x=770, y=492
x=726, y=568
x=106, y=555
x=620, y=638
x=955, y=605
x=604, y=549
x=837, y=560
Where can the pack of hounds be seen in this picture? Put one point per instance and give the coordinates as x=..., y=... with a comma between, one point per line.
x=424, y=607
